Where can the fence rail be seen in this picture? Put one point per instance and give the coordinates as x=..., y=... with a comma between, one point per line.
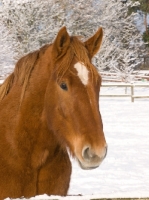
x=125, y=85
x=114, y=77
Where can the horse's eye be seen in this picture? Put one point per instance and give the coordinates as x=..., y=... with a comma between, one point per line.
x=64, y=86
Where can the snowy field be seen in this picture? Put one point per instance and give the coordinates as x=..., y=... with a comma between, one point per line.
x=125, y=171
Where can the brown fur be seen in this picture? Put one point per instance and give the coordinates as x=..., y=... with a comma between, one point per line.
x=39, y=120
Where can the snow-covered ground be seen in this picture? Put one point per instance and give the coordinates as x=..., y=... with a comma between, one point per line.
x=125, y=171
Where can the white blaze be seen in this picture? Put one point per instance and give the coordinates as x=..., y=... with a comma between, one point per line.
x=82, y=72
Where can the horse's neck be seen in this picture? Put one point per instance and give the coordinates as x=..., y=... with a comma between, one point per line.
x=31, y=129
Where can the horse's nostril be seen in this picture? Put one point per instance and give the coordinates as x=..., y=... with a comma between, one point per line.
x=88, y=155
x=85, y=153
x=92, y=157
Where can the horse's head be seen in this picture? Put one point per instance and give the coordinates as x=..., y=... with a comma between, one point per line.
x=72, y=98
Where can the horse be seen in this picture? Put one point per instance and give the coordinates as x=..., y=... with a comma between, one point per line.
x=49, y=111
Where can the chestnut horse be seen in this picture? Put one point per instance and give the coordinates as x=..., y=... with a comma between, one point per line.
x=49, y=106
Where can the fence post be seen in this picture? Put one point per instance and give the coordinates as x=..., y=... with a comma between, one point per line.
x=132, y=92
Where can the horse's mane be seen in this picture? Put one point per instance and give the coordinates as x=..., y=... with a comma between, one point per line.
x=22, y=72
x=27, y=63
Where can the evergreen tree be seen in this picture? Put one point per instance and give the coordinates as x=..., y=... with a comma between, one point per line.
x=144, y=7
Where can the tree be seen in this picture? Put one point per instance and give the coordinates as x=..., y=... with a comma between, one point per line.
x=27, y=24
x=143, y=6
x=30, y=24
x=123, y=43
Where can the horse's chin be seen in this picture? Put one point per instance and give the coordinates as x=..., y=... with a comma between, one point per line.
x=86, y=167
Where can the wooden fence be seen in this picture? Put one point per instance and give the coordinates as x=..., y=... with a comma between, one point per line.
x=126, y=85
x=114, y=77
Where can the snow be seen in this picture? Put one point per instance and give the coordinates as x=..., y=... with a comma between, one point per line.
x=5, y=71
x=125, y=170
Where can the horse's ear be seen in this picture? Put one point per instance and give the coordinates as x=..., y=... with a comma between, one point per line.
x=93, y=44
x=61, y=43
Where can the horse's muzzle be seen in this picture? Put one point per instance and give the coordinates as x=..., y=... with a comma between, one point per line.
x=90, y=159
